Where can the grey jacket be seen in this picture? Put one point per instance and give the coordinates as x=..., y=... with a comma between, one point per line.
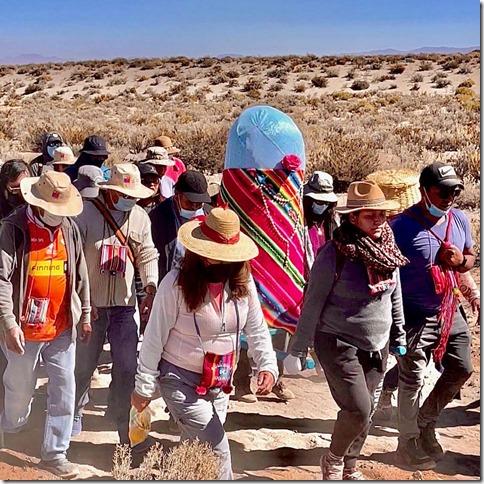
x=347, y=309
x=14, y=263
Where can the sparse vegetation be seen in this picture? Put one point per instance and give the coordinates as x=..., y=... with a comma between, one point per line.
x=360, y=85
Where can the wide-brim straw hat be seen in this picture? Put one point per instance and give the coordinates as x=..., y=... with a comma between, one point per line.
x=54, y=192
x=218, y=237
x=400, y=185
x=63, y=156
x=366, y=195
x=156, y=155
x=126, y=179
x=165, y=142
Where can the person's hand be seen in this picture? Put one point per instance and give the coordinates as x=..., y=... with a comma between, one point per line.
x=139, y=402
x=452, y=256
x=265, y=382
x=145, y=307
x=94, y=312
x=15, y=340
x=86, y=331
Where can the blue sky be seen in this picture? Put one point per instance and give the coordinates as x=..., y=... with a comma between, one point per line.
x=82, y=29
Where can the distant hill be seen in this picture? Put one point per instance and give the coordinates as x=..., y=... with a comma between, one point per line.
x=420, y=50
x=29, y=59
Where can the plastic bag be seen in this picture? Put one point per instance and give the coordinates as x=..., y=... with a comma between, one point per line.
x=139, y=425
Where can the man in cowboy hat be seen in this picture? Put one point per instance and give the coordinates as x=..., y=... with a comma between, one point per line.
x=167, y=187
x=117, y=241
x=436, y=238
x=44, y=298
x=50, y=141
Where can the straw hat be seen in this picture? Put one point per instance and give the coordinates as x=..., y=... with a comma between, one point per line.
x=126, y=178
x=54, y=192
x=166, y=143
x=399, y=185
x=156, y=155
x=63, y=156
x=366, y=195
x=320, y=187
x=218, y=237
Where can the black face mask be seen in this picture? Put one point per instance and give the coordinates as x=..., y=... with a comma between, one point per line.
x=14, y=199
x=221, y=272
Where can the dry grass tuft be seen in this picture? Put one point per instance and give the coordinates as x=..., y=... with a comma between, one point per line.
x=189, y=461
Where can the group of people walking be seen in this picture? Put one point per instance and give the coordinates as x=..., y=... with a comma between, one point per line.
x=90, y=253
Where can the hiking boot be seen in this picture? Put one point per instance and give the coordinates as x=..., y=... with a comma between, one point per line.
x=76, y=426
x=282, y=392
x=429, y=442
x=411, y=454
x=60, y=467
x=352, y=475
x=332, y=471
x=245, y=395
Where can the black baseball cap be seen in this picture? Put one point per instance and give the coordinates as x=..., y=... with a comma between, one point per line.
x=95, y=145
x=441, y=175
x=194, y=186
x=147, y=169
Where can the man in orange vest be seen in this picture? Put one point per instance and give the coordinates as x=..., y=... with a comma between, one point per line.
x=44, y=297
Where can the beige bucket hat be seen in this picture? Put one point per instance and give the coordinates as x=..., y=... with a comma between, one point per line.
x=156, y=155
x=63, y=156
x=126, y=178
x=54, y=192
x=218, y=237
x=366, y=195
x=166, y=143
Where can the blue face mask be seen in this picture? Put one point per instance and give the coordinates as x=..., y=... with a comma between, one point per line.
x=124, y=205
x=432, y=209
x=319, y=209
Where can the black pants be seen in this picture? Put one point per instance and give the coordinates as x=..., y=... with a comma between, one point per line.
x=353, y=375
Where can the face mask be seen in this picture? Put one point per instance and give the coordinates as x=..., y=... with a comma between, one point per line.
x=432, y=209
x=50, y=150
x=51, y=220
x=189, y=214
x=221, y=272
x=124, y=205
x=319, y=209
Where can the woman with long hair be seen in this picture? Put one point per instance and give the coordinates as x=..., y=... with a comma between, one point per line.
x=191, y=341
x=353, y=310
x=11, y=172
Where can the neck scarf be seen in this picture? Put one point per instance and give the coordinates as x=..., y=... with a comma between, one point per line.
x=381, y=257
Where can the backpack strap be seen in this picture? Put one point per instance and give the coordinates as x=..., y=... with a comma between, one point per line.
x=427, y=225
x=115, y=227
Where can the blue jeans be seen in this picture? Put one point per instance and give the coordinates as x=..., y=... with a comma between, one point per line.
x=122, y=332
x=197, y=416
x=20, y=378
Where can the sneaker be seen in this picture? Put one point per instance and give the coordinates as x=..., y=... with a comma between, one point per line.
x=352, y=475
x=244, y=395
x=281, y=391
x=60, y=467
x=331, y=471
x=411, y=454
x=76, y=426
x=429, y=442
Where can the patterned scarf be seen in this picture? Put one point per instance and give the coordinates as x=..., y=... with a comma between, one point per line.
x=381, y=257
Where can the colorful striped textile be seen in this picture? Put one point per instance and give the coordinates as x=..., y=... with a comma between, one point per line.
x=269, y=205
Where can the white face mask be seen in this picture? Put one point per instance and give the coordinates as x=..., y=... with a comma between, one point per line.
x=189, y=214
x=50, y=150
x=51, y=220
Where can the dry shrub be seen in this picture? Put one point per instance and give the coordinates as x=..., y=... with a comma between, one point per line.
x=441, y=83
x=466, y=83
x=319, y=81
x=397, y=69
x=425, y=66
x=301, y=87
x=416, y=78
x=253, y=83
x=360, y=85
x=189, y=461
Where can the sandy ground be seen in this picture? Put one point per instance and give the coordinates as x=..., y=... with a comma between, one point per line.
x=270, y=440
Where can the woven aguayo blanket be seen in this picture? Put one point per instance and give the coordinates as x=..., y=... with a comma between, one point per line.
x=268, y=202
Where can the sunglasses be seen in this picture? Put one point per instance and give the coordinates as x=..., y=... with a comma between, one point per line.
x=449, y=193
x=14, y=190
x=54, y=143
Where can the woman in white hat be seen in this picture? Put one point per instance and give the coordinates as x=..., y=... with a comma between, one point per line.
x=354, y=317
x=191, y=341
